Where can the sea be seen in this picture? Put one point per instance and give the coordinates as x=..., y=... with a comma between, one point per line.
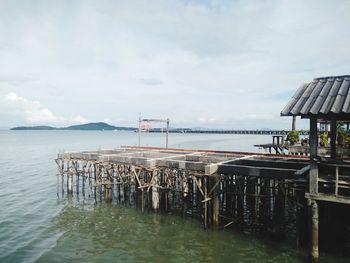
x=36, y=225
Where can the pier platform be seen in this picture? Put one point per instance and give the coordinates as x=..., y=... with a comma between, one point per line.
x=254, y=192
x=214, y=186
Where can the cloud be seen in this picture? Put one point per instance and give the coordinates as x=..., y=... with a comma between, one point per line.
x=151, y=82
x=30, y=111
x=79, y=119
x=33, y=112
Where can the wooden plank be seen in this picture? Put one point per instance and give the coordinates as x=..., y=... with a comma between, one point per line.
x=256, y=171
x=274, y=163
x=328, y=198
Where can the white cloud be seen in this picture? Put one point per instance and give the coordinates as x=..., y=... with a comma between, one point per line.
x=79, y=119
x=33, y=112
x=30, y=111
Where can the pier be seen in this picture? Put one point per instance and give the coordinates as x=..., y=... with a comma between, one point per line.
x=254, y=193
x=217, y=187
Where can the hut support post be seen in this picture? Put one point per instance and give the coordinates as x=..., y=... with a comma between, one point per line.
x=313, y=188
x=313, y=180
x=314, y=231
x=333, y=137
x=293, y=123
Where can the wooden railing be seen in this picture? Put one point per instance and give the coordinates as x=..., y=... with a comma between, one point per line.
x=337, y=174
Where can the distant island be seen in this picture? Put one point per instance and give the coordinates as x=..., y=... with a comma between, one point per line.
x=92, y=126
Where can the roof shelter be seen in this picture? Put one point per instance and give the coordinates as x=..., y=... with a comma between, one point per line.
x=324, y=100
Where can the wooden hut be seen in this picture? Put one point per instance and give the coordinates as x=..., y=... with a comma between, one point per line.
x=324, y=100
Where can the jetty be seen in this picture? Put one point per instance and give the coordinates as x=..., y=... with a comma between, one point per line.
x=217, y=187
x=300, y=197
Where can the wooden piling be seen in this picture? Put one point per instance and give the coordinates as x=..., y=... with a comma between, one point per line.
x=314, y=231
x=70, y=178
x=216, y=200
x=155, y=190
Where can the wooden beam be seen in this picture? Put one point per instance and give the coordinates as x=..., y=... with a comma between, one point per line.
x=329, y=198
x=333, y=138
x=313, y=179
x=244, y=170
x=274, y=163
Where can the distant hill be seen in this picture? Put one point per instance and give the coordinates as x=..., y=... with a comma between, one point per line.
x=92, y=126
x=21, y=128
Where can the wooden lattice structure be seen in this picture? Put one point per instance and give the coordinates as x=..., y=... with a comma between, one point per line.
x=219, y=188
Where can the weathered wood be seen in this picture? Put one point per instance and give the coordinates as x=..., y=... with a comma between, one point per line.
x=333, y=135
x=314, y=231
x=256, y=171
x=313, y=178
x=70, y=178
x=155, y=191
x=329, y=198
x=216, y=201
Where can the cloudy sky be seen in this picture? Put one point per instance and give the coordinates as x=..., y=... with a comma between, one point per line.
x=224, y=64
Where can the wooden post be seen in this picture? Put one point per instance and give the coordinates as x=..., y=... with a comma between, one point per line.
x=70, y=178
x=293, y=123
x=167, y=133
x=216, y=201
x=333, y=137
x=109, y=193
x=314, y=231
x=205, y=201
x=155, y=191
x=313, y=180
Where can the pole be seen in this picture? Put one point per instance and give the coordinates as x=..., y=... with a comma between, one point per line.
x=167, y=133
x=313, y=140
x=333, y=138
x=293, y=123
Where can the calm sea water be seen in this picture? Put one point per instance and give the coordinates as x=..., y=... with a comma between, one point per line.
x=36, y=226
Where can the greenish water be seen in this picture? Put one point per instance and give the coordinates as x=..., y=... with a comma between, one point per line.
x=36, y=226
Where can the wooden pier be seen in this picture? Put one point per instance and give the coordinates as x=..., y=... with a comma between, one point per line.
x=254, y=192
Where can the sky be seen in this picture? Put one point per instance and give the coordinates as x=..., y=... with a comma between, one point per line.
x=215, y=64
